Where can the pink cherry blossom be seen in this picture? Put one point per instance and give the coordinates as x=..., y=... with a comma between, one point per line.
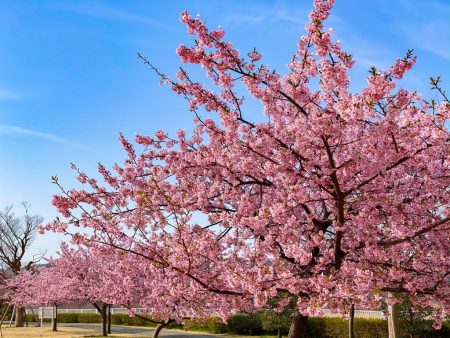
x=333, y=197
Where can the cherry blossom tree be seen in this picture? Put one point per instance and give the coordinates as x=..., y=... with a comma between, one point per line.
x=37, y=288
x=330, y=195
x=103, y=277
x=75, y=277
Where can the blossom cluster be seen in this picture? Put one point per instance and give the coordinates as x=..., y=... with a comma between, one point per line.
x=334, y=196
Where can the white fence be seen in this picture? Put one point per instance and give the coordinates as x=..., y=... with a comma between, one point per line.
x=372, y=314
x=93, y=310
x=47, y=312
x=113, y=310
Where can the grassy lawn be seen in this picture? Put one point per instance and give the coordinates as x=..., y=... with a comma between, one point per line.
x=63, y=332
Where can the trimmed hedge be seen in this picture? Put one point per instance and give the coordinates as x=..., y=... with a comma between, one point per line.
x=254, y=324
x=68, y=317
x=211, y=324
x=124, y=319
x=338, y=327
x=31, y=317
x=130, y=321
x=74, y=317
x=88, y=317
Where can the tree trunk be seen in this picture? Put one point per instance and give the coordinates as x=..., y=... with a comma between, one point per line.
x=20, y=316
x=104, y=320
x=351, y=322
x=279, y=333
x=298, y=326
x=393, y=321
x=158, y=329
x=55, y=319
x=109, y=318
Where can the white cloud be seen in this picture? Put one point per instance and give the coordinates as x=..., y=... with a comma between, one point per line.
x=433, y=36
x=239, y=19
x=284, y=15
x=273, y=12
x=106, y=12
x=424, y=25
x=5, y=129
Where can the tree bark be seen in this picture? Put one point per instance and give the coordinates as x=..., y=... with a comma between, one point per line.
x=55, y=319
x=104, y=320
x=109, y=318
x=393, y=321
x=158, y=329
x=279, y=333
x=298, y=326
x=20, y=316
x=351, y=322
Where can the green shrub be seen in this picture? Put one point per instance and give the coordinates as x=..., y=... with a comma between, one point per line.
x=370, y=328
x=338, y=327
x=245, y=323
x=31, y=317
x=196, y=324
x=89, y=318
x=216, y=325
x=212, y=324
x=63, y=317
x=423, y=329
x=273, y=322
x=34, y=317
x=134, y=321
x=268, y=323
x=174, y=325
x=75, y=317
x=68, y=317
x=118, y=318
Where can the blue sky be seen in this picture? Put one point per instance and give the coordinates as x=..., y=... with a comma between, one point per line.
x=70, y=80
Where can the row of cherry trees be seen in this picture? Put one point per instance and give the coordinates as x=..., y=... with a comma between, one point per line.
x=103, y=277
x=333, y=197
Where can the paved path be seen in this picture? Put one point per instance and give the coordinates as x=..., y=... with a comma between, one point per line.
x=138, y=330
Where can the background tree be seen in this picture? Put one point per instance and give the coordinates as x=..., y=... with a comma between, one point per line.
x=278, y=318
x=17, y=233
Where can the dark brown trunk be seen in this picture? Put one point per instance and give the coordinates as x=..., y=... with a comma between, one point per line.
x=55, y=320
x=20, y=316
x=351, y=322
x=279, y=333
x=104, y=320
x=109, y=318
x=158, y=329
x=298, y=326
